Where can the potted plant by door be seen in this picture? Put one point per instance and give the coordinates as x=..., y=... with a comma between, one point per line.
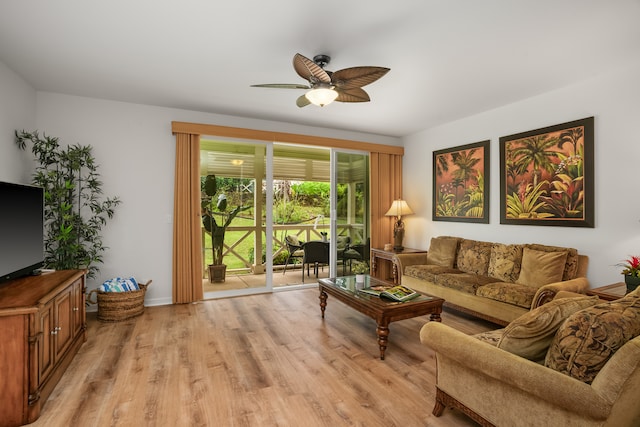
x=212, y=206
x=631, y=272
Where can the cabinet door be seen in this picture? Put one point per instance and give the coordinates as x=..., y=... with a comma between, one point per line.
x=45, y=347
x=64, y=323
x=77, y=307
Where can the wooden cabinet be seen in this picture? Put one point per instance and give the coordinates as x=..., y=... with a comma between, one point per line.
x=42, y=326
x=610, y=292
x=383, y=264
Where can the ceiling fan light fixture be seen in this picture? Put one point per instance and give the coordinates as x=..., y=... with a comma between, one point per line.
x=321, y=96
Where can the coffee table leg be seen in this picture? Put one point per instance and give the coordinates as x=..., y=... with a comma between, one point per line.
x=323, y=302
x=435, y=317
x=383, y=337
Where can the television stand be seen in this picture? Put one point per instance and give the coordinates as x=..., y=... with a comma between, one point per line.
x=42, y=325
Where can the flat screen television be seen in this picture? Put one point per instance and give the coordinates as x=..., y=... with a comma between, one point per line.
x=21, y=230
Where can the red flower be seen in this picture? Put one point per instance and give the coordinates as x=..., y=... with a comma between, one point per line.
x=631, y=266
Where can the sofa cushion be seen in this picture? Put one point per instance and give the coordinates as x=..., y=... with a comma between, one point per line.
x=504, y=262
x=511, y=293
x=571, y=265
x=490, y=337
x=427, y=272
x=442, y=251
x=588, y=338
x=473, y=257
x=530, y=335
x=464, y=282
x=540, y=268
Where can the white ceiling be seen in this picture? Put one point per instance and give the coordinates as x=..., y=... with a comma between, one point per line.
x=448, y=58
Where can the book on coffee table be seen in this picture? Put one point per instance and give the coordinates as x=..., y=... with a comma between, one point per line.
x=396, y=293
x=375, y=290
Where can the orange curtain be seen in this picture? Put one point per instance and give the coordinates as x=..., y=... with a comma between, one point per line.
x=187, y=244
x=386, y=186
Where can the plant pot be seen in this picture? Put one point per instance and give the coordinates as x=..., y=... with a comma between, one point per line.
x=359, y=278
x=217, y=273
x=632, y=282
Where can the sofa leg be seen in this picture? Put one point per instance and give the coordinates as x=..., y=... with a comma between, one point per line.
x=438, y=408
x=444, y=400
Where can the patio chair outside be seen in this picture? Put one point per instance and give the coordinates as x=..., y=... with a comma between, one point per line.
x=316, y=253
x=294, y=247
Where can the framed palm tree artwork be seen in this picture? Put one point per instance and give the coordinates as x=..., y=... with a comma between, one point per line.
x=461, y=183
x=546, y=176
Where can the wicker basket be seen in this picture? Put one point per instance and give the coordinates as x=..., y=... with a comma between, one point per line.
x=119, y=306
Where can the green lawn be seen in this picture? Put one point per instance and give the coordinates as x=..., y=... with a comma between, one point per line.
x=243, y=248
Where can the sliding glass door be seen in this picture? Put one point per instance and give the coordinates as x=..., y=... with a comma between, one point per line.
x=234, y=196
x=350, y=211
x=257, y=198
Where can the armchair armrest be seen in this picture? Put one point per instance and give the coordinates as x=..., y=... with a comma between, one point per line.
x=404, y=260
x=546, y=293
x=538, y=381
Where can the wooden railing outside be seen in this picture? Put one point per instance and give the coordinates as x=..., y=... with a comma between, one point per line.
x=302, y=232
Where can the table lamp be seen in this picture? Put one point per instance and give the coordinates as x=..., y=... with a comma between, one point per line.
x=398, y=209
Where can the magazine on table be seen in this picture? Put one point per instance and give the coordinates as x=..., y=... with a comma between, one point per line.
x=396, y=293
x=375, y=290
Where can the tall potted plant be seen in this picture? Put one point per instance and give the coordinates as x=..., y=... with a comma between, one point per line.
x=212, y=206
x=74, y=208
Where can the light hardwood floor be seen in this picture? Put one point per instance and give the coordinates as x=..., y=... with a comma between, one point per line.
x=263, y=360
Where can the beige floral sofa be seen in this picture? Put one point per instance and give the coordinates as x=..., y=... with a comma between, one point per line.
x=494, y=281
x=574, y=361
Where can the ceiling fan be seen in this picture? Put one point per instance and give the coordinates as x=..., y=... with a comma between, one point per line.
x=325, y=86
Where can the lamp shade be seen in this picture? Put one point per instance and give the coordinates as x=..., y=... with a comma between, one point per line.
x=399, y=208
x=321, y=96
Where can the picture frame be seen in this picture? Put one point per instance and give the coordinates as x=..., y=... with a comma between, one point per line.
x=547, y=176
x=461, y=183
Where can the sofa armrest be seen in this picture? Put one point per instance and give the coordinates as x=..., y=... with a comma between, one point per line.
x=404, y=260
x=546, y=293
x=514, y=371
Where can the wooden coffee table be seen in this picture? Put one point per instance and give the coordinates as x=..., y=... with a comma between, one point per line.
x=382, y=310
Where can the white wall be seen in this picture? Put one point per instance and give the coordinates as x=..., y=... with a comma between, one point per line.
x=614, y=100
x=135, y=149
x=134, y=145
x=17, y=112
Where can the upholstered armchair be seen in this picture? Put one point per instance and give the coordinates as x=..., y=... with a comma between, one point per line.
x=589, y=374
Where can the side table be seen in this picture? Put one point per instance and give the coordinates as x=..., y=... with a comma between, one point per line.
x=610, y=292
x=383, y=265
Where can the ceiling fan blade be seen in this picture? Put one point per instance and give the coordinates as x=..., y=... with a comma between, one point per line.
x=302, y=101
x=309, y=70
x=354, y=77
x=283, y=86
x=352, y=95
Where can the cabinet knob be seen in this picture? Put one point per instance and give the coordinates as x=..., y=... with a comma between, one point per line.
x=75, y=309
x=58, y=328
x=54, y=332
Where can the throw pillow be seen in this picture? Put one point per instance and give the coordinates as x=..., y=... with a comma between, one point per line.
x=490, y=337
x=504, y=262
x=473, y=256
x=541, y=268
x=293, y=240
x=587, y=339
x=571, y=266
x=442, y=251
x=530, y=335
